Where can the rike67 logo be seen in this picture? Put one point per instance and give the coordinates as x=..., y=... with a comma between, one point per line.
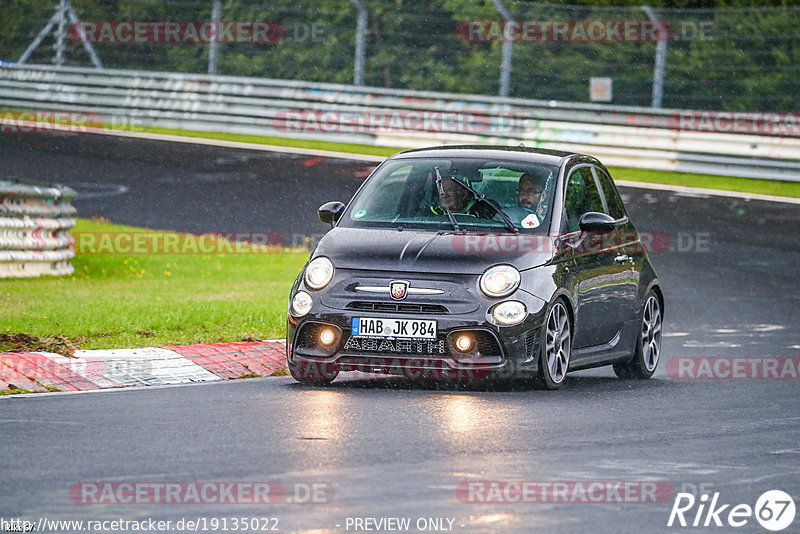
x=774, y=510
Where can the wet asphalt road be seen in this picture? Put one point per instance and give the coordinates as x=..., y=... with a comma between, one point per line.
x=185, y=187
x=395, y=449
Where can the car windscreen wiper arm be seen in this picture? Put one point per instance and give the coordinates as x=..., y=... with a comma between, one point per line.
x=440, y=190
x=489, y=202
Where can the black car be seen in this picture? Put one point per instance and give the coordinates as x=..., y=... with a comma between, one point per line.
x=478, y=262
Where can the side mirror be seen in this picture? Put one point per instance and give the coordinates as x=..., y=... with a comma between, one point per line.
x=330, y=212
x=597, y=222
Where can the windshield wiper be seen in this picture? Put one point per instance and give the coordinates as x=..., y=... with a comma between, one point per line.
x=440, y=190
x=489, y=202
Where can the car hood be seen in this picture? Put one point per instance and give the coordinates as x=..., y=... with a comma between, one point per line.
x=408, y=250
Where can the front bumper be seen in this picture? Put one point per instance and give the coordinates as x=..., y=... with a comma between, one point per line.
x=458, y=308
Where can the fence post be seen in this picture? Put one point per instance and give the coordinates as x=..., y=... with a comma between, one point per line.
x=73, y=17
x=213, y=46
x=661, y=59
x=505, y=63
x=59, y=45
x=64, y=9
x=361, y=39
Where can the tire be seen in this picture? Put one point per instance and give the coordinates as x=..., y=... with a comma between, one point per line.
x=313, y=373
x=647, y=352
x=555, y=348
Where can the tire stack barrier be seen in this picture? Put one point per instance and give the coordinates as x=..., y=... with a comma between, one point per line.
x=35, y=222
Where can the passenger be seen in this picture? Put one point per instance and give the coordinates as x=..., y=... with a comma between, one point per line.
x=530, y=195
x=531, y=207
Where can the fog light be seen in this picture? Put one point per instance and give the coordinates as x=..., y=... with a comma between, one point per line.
x=509, y=313
x=327, y=337
x=301, y=304
x=464, y=343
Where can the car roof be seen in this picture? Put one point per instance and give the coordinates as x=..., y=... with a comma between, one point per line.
x=516, y=153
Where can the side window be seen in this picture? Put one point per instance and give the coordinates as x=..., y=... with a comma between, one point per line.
x=582, y=196
x=613, y=201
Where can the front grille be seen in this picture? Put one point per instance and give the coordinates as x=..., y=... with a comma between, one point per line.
x=308, y=335
x=396, y=307
x=487, y=344
x=530, y=344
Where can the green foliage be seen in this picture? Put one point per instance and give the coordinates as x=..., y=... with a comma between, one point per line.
x=747, y=57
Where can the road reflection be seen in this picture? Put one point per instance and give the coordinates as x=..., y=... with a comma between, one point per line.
x=320, y=415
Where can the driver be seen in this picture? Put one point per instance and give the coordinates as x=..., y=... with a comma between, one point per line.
x=455, y=197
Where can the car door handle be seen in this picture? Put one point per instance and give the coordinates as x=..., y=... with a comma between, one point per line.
x=622, y=258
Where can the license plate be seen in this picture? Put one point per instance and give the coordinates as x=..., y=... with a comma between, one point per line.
x=393, y=328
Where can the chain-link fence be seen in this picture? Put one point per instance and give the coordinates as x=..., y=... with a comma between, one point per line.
x=731, y=59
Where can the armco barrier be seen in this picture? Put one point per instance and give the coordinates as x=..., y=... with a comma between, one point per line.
x=34, y=229
x=620, y=136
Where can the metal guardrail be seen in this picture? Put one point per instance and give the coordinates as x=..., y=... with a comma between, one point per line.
x=620, y=136
x=34, y=229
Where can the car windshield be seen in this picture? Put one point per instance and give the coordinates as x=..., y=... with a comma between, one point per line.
x=405, y=192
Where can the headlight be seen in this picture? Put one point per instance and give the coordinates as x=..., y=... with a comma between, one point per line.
x=509, y=313
x=319, y=272
x=301, y=304
x=499, y=281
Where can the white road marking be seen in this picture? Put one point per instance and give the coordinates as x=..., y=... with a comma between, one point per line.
x=378, y=159
x=133, y=367
x=767, y=327
x=239, y=144
x=719, y=344
x=703, y=191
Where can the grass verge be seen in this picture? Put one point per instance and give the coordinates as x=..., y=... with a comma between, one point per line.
x=333, y=146
x=726, y=183
x=117, y=300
